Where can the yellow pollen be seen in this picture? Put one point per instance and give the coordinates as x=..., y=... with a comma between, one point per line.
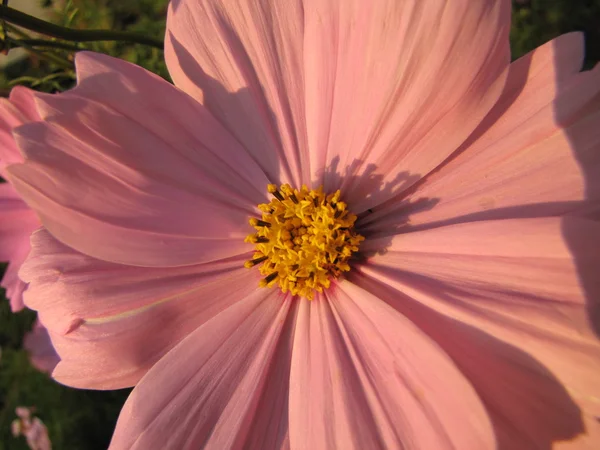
x=303, y=239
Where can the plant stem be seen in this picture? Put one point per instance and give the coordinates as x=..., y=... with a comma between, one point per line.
x=55, y=58
x=33, y=82
x=70, y=34
x=43, y=43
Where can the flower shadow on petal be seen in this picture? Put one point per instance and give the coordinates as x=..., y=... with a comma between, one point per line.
x=586, y=150
x=215, y=94
x=333, y=176
x=276, y=167
x=217, y=100
x=527, y=405
x=587, y=268
x=515, y=84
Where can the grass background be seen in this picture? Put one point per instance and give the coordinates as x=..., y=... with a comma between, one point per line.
x=79, y=419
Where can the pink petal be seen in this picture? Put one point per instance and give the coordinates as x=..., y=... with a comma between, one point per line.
x=23, y=413
x=536, y=154
x=14, y=286
x=110, y=323
x=19, y=108
x=41, y=351
x=17, y=222
x=33, y=429
x=393, y=88
x=152, y=177
x=528, y=406
x=305, y=71
x=363, y=377
x=530, y=283
x=244, y=62
x=214, y=390
x=37, y=436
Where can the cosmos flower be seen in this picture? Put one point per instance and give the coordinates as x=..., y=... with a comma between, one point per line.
x=32, y=428
x=444, y=296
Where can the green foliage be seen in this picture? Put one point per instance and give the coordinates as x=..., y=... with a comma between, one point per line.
x=52, y=69
x=146, y=17
x=535, y=22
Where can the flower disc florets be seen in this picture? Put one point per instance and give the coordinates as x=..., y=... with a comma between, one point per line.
x=303, y=239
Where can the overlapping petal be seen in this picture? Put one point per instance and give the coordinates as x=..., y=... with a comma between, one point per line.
x=244, y=62
x=215, y=389
x=352, y=88
x=109, y=322
x=151, y=172
x=393, y=88
x=527, y=404
x=17, y=221
x=16, y=224
x=363, y=376
x=533, y=156
x=518, y=281
x=19, y=108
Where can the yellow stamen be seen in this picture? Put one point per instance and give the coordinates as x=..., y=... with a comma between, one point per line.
x=303, y=239
x=258, y=223
x=255, y=261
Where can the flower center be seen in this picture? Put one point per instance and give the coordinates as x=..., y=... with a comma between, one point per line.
x=303, y=239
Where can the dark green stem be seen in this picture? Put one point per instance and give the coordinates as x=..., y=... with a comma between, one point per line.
x=43, y=43
x=70, y=34
x=55, y=58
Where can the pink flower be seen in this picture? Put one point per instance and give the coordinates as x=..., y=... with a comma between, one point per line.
x=467, y=318
x=33, y=429
x=17, y=220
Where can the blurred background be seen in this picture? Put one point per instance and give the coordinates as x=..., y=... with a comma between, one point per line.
x=79, y=419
